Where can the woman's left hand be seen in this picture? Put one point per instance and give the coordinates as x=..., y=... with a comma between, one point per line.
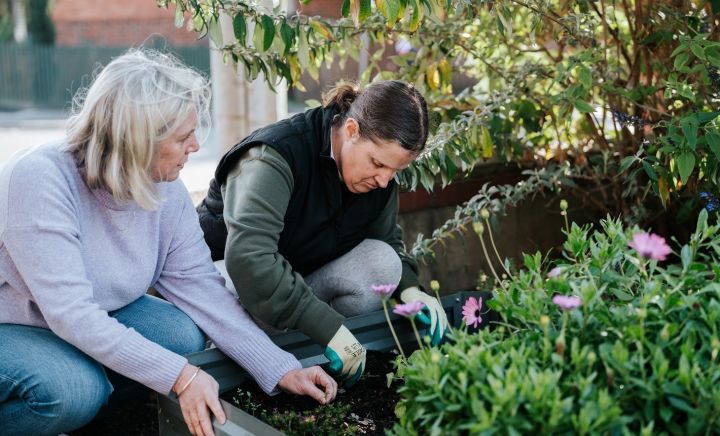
x=308, y=381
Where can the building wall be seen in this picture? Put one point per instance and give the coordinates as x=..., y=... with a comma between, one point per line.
x=117, y=23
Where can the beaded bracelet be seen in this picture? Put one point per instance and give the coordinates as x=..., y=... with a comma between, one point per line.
x=190, y=380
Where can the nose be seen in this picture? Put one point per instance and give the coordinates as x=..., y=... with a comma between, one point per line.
x=384, y=178
x=194, y=144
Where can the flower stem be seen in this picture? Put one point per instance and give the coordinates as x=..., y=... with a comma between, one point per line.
x=392, y=330
x=567, y=224
x=492, y=242
x=489, y=261
x=417, y=335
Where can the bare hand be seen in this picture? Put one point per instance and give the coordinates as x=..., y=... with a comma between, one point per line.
x=201, y=394
x=308, y=381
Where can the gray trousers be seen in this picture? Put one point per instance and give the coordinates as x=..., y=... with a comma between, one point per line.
x=345, y=282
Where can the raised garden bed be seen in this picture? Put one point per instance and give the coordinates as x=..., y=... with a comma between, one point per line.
x=370, y=329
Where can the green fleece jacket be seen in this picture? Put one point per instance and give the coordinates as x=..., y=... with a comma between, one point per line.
x=256, y=195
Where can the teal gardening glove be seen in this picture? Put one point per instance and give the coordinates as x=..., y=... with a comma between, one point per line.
x=346, y=356
x=432, y=315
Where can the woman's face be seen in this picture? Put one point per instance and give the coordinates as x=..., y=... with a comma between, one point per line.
x=174, y=150
x=365, y=164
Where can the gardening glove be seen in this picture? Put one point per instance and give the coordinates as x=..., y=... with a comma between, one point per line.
x=346, y=356
x=432, y=315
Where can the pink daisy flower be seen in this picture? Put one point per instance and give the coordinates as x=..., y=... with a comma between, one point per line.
x=650, y=245
x=567, y=302
x=409, y=310
x=384, y=291
x=471, y=311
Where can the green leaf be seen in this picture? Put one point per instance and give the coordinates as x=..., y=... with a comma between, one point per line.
x=345, y=10
x=268, y=31
x=681, y=60
x=713, y=140
x=706, y=117
x=365, y=9
x=685, y=164
x=625, y=163
x=690, y=129
x=686, y=256
x=288, y=35
x=583, y=106
x=393, y=8
x=713, y=55
x=621, y=295
x=649, y=170
x=240, y=28
x=585, y=77
x=697, y=50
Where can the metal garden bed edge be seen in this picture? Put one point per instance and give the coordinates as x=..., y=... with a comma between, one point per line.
x=370, y=329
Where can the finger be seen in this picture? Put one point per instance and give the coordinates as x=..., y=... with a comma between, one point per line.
x=188, y=421
x=309, y=388
x=205, y=423
x=327, y=383
x=217, y=410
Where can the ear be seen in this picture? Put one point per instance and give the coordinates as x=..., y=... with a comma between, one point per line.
x=352, y=128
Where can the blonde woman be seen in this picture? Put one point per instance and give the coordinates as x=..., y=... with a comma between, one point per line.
x=86, y=227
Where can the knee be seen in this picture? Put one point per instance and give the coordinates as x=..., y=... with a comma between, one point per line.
x=187, y=337
x=383, y=262
x=67, y=401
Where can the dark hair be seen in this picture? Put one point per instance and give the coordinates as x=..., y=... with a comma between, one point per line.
x=390, y=110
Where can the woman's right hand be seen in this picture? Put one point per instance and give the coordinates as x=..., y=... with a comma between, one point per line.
x=200, y=395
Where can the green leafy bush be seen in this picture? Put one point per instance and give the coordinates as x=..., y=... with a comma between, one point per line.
x=639, y=355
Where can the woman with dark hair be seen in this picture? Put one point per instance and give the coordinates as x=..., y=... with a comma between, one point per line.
x=304, y=213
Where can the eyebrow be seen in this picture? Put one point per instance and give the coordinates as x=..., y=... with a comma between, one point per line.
x=388, y=166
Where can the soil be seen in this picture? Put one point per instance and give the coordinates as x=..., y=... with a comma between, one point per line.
x=136, y=418
x=368, y=407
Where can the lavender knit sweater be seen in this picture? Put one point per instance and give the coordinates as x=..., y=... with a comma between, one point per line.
x=69, y=254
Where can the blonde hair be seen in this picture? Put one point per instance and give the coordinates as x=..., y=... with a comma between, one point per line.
x=135, y=102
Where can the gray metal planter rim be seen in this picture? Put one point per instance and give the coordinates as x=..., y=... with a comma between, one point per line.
x=370, y=329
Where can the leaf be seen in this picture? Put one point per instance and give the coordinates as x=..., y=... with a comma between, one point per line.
x=686, y=256
x=713, y=55
x=240, y=28
x=663, y=191
x=365, y=9
x=432, y=76
x=621, y=295
x=706, y=117
x=583, y=106
x=649, y=170
x=697, y=50
x=288, y=36
x=415, y=17
x=215, y=33
x=345, y=9
x=585, y=77
x=486, y=143
x=393, y=9
x=681, y=60
x=179, y=16
x=303, y=51
x=686, y=164
x=625, y=163
x=690, y=129
x=713, y=141
x=268, y=32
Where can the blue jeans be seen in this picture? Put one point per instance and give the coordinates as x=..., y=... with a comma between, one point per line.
x=48, y=386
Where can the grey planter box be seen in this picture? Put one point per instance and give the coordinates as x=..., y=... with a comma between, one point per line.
x=370, y=329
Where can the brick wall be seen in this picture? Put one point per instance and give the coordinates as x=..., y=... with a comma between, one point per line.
x=117, y=23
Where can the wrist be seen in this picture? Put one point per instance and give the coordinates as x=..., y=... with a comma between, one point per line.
x=185, y=375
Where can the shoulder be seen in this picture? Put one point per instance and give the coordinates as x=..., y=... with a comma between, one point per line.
x=261, y=159
x=39, y=166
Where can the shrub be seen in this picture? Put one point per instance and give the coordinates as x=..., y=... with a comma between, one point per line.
x=639, y=354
